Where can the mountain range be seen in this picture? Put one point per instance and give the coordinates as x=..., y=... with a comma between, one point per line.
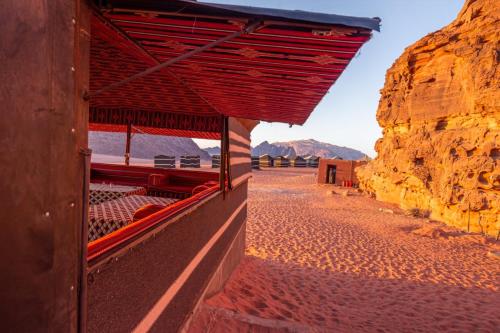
x=307, y=147
x=212, y=150
x=147, y=146
x=144, y=145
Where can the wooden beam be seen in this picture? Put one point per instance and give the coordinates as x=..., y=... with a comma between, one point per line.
x=44, y=57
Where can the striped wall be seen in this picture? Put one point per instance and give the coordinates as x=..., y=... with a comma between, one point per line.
x=255, y=162
x=266, y=161
x=312, y=162
x=190, y=161
x=239, y=152
x=164, y=162
x=281, y=162
x=298, y=162
x=215, y=161
x=154, y=283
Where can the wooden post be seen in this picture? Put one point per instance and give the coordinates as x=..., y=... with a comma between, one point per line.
x=44, y=57
x=127, y=146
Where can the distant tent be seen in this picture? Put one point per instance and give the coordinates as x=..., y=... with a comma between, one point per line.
x=298, y=162
x=336, y=158
x=215, y=161
x=265, y=161
x=312, y=161
x=281, y=162
x=164, y=162
x=190, y=161
x=255, y=162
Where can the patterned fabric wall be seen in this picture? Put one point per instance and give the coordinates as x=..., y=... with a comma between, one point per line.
x=239, y=152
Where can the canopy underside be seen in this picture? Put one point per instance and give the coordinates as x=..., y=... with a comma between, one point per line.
x=278, y=72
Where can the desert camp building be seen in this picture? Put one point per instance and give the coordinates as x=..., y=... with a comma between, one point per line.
x=266, y=161
x=281, y=162
x=190, y=161
x=215, y=161
x=255, y=162
x=164, y=162
x=175, y=68
x=312, y=161
x=298, y=162
x=338, y=172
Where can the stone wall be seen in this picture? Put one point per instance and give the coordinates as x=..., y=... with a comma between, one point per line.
x=440, y=113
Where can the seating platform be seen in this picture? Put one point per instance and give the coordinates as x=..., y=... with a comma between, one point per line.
x=112, y=215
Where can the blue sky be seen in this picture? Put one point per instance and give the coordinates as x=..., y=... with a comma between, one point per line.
x=347, y=114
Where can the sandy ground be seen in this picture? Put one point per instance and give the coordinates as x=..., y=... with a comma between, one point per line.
x=322, y=262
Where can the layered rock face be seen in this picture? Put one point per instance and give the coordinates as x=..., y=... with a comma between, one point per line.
x=440, y=113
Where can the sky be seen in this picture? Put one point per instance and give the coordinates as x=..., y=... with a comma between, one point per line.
x=347, y=114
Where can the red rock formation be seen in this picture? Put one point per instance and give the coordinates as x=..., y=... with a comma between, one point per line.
x=440, y=111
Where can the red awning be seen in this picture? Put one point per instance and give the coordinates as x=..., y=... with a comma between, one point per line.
x=278, y=72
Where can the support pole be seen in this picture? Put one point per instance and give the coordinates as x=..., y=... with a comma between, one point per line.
x=247, y=30
x=127, y=146
x=222, y=172
x=227, y=154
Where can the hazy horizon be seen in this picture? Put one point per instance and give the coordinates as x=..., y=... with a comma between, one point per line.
x=347, y=114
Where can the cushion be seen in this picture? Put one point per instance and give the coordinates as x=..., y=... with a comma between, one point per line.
x=146, y=210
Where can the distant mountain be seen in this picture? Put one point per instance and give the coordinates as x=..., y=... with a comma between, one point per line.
x=212, y=150
x=273, y=150
x=307, y=147
x=144, y=145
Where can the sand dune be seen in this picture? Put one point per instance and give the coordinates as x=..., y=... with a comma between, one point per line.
x=318, y=262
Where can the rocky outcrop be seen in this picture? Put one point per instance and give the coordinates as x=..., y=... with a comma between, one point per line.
x=440, y=113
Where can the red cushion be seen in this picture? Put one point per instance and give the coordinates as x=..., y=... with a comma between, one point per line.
x=146, y=210
x=199, y=188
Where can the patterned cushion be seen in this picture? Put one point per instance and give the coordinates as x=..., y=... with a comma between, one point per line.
x=104, y=192
x=109, y=216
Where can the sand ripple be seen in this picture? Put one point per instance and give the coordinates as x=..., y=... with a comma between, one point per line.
x=339, y=263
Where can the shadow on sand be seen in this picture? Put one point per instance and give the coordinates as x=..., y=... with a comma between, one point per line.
x=291, y=298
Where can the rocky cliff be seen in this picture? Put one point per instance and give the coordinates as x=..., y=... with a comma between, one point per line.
x=440, y=113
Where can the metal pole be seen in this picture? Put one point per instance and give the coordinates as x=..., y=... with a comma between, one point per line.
x=222, y=172
x=127, y=145
x=247, y=30
x=228, y=154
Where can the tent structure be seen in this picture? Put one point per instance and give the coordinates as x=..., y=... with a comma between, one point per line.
x=190, y=161
x=281, y=162
x=312, y=161
x=215, y=161
x=255, y=162
x=298, y=162
x=266, y=161
x=164, y=161
x=177, y=68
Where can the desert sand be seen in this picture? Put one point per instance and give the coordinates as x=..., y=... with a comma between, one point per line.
x=318, y=261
